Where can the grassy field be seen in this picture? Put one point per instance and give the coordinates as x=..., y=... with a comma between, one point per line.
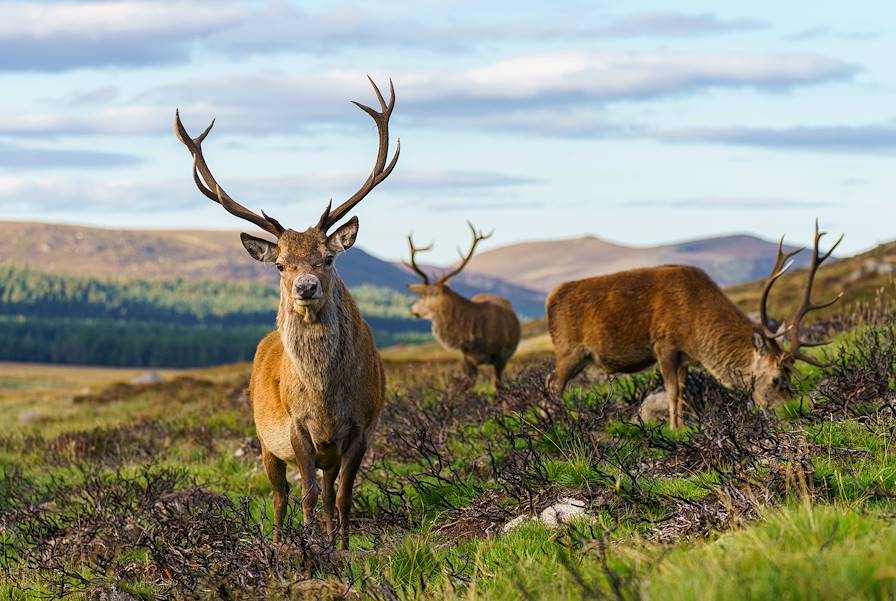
x=123, y=491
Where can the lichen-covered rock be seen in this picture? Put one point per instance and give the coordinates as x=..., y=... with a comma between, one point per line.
x=149, y=377
x=563, y=512
x=655, y=408
x=515, y=522
x=560, y=513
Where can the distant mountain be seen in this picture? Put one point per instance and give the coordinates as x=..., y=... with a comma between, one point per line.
x=202, y=255
x=543, y=265
x=863, y=278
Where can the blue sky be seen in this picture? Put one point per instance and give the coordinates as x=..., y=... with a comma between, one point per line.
x=628, y=121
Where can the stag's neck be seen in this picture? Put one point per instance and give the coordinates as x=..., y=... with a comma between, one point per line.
x=727, y=352
x=452, y=320
x=319, y=350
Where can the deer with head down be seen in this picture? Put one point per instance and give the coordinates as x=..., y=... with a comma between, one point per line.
x=677, y=316
x=317, y=384
x=484, y=328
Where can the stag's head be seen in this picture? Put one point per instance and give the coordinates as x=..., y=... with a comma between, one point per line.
x=433, y=294
x=774, y=363
x=304, y=259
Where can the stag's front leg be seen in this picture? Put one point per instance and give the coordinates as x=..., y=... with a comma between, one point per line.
x=329, y=498
x=304, y=451
x=470, y=370
x=569, y=365
x=682, y=386
x=351, y=462
x=669, y=365
x=499, y=371
x=276, y=470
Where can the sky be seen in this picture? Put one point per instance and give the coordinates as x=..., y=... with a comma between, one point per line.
x=633, y=122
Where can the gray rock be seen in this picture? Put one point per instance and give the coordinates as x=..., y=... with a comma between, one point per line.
x=29, y=416
x=563, y=512
x=149, y=377
x=560, y=513
x=655, y=408
x=516, y=522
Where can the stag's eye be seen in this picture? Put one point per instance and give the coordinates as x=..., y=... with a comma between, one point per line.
x=279, y=266
x=328, y=261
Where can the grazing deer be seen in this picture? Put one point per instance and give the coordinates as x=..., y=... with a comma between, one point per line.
x=677, y=316
x=317, y=383
x=484, y=328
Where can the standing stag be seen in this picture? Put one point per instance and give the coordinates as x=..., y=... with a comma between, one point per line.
x=677, y=316
x=484, y=328
x=317, y=383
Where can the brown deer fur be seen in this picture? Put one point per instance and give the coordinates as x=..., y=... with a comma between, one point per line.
x=484, y=328
x=317, y=385
x=675, y=316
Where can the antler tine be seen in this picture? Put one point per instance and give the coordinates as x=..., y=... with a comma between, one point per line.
x=206, y=182
x=806, y=305
x=413, y=264
x=380, y=169
x=780, y=268
x=478, y=237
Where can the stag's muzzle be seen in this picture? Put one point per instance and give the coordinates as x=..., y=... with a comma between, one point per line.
x=307, y=289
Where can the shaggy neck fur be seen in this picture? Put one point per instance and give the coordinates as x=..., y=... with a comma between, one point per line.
x=452, y=319
x=316, y=348
x=728, y=353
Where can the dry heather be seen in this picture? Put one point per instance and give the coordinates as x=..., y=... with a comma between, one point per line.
x=166, y=498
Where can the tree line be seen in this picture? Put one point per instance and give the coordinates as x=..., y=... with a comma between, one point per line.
x=170, y=323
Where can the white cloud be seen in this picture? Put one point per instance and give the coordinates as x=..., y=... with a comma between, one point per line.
x=873, y=138
x=62, y=194
x=64, y=35
x=560, y=91
x=15, y=156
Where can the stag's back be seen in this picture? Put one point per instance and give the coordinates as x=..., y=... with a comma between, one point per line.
x=499, y=322
x=621, y=316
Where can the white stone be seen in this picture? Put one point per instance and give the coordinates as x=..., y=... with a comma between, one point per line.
x=655, y=408
x=563, y=512
x=29, y=416
x=518, y=520
x=149, y=377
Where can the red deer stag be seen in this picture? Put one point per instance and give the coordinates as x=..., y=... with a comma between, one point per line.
x=317, y=383
x=484, y=328
x=677, y=316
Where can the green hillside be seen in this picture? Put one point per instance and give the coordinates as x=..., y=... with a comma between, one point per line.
x=174, y=323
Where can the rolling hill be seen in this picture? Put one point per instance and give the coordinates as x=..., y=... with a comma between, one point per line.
x=543, y=265
x=201, y=255
x=861, y=278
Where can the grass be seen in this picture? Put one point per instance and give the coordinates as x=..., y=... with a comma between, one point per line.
x=157, y=491
x=803, y=551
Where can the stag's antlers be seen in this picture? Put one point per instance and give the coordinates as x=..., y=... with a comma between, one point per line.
x=380, y=170
x=807, y=305
x=793, y=326
x=413, y=264
x=782, y=264
x=212, y=189
x=478, y=237
x=209, y=186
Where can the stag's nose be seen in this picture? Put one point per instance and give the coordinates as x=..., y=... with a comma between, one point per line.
x=307, y=288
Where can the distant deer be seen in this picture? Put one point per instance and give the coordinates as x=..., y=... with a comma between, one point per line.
x=317, y=383
x=677, y=316
x=484, y=328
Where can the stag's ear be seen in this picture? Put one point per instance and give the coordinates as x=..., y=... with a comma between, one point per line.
x=342, y=239
x=760, y=343
x=417, y=288
x=260, y=249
